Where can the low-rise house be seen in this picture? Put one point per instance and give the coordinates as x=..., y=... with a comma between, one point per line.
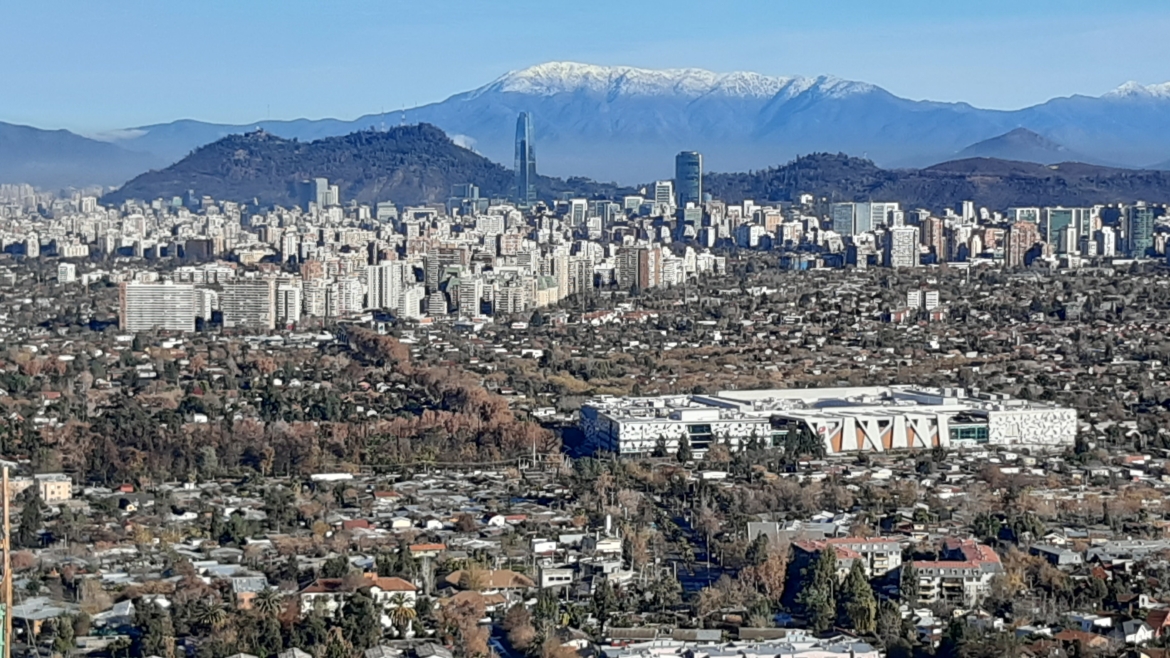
x=53, y=488
x=245, y=589
x=1057, y=556
x=1134, y=631
x=501, y=580
x=328, y=595
x=391, y=592
x=556, y=577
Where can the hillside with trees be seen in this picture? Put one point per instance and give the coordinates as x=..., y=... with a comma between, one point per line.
x=362, y=403
x=986, y=181
x=407, y=164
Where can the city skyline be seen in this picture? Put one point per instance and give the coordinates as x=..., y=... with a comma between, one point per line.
x=263, y=79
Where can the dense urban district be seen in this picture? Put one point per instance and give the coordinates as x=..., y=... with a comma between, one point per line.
x=656, y=425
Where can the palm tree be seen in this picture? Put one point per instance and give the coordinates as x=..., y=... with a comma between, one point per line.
x=402, y=613
x=269, y=602
x=212, y=613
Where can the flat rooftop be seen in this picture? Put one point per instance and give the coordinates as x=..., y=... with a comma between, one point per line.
x=898, y=400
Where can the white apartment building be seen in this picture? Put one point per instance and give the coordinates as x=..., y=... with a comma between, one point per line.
x=66, y=273
x=289, y=302
x=147, y=306
x=903, y=247
x=249, y=304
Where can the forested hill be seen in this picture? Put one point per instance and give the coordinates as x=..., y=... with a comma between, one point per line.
x=988, y=182
x=406, y=164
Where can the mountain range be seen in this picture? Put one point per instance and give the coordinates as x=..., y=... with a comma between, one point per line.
x=59, y=158
x=407, y=164
x=625, y=123
x=419, y=164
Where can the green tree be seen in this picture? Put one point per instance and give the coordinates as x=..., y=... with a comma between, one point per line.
x=335, y=567
x=818, y=596
x=269, y=602
x=908, y=584
x=361, y=621
x=954, y=642
x=757, y=551
x=268, y=641
x=386, y=564
x=64, y=641
x=986, y=526
x=684, y=453
x=547, y=607
x=659, y=448
x=401, y=612
x=605, y=603
x=157, y=636
x=211, y=613
x=857, y=606
x=28, y=533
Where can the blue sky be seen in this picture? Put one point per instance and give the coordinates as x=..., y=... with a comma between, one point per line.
x=91, y=66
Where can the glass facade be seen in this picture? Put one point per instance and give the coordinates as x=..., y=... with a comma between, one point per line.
x=700, y=436
x=688, y=178
x=975, y=432
x=525, y=160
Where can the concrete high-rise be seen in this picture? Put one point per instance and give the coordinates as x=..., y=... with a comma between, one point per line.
x=249, y=304
x=147, y=306
x=902, y=247
x=664, y=193
x=525, y=160
x=1021, y=237
x=688, y=178
x=384, y=284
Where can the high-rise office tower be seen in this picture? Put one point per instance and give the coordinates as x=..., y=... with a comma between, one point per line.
x=1139, y=231
x=841, y=215
x=688, y=177
x=525, y=160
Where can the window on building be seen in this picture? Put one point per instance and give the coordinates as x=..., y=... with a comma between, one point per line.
x=976, y=433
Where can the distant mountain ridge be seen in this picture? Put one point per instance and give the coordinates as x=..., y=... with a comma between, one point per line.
x=1022, y=145
x=59, y=158
x=405, y=164
x=626, y=123
x=992, y=183
x=419, y=164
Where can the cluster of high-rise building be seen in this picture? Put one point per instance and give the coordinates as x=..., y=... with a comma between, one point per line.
x=882, y=233
x=193, y=258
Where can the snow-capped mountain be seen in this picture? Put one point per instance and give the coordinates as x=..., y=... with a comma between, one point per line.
x=555, y=78
x=1136, y=90
x=624, y=123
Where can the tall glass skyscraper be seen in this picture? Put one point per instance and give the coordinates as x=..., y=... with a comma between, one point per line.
x=525, y=160
x=688, y=178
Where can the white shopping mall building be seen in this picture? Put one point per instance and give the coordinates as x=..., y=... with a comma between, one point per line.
x=863, y=418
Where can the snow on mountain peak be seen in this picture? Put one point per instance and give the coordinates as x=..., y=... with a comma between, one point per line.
x=1133, y=89
x=567, y=77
